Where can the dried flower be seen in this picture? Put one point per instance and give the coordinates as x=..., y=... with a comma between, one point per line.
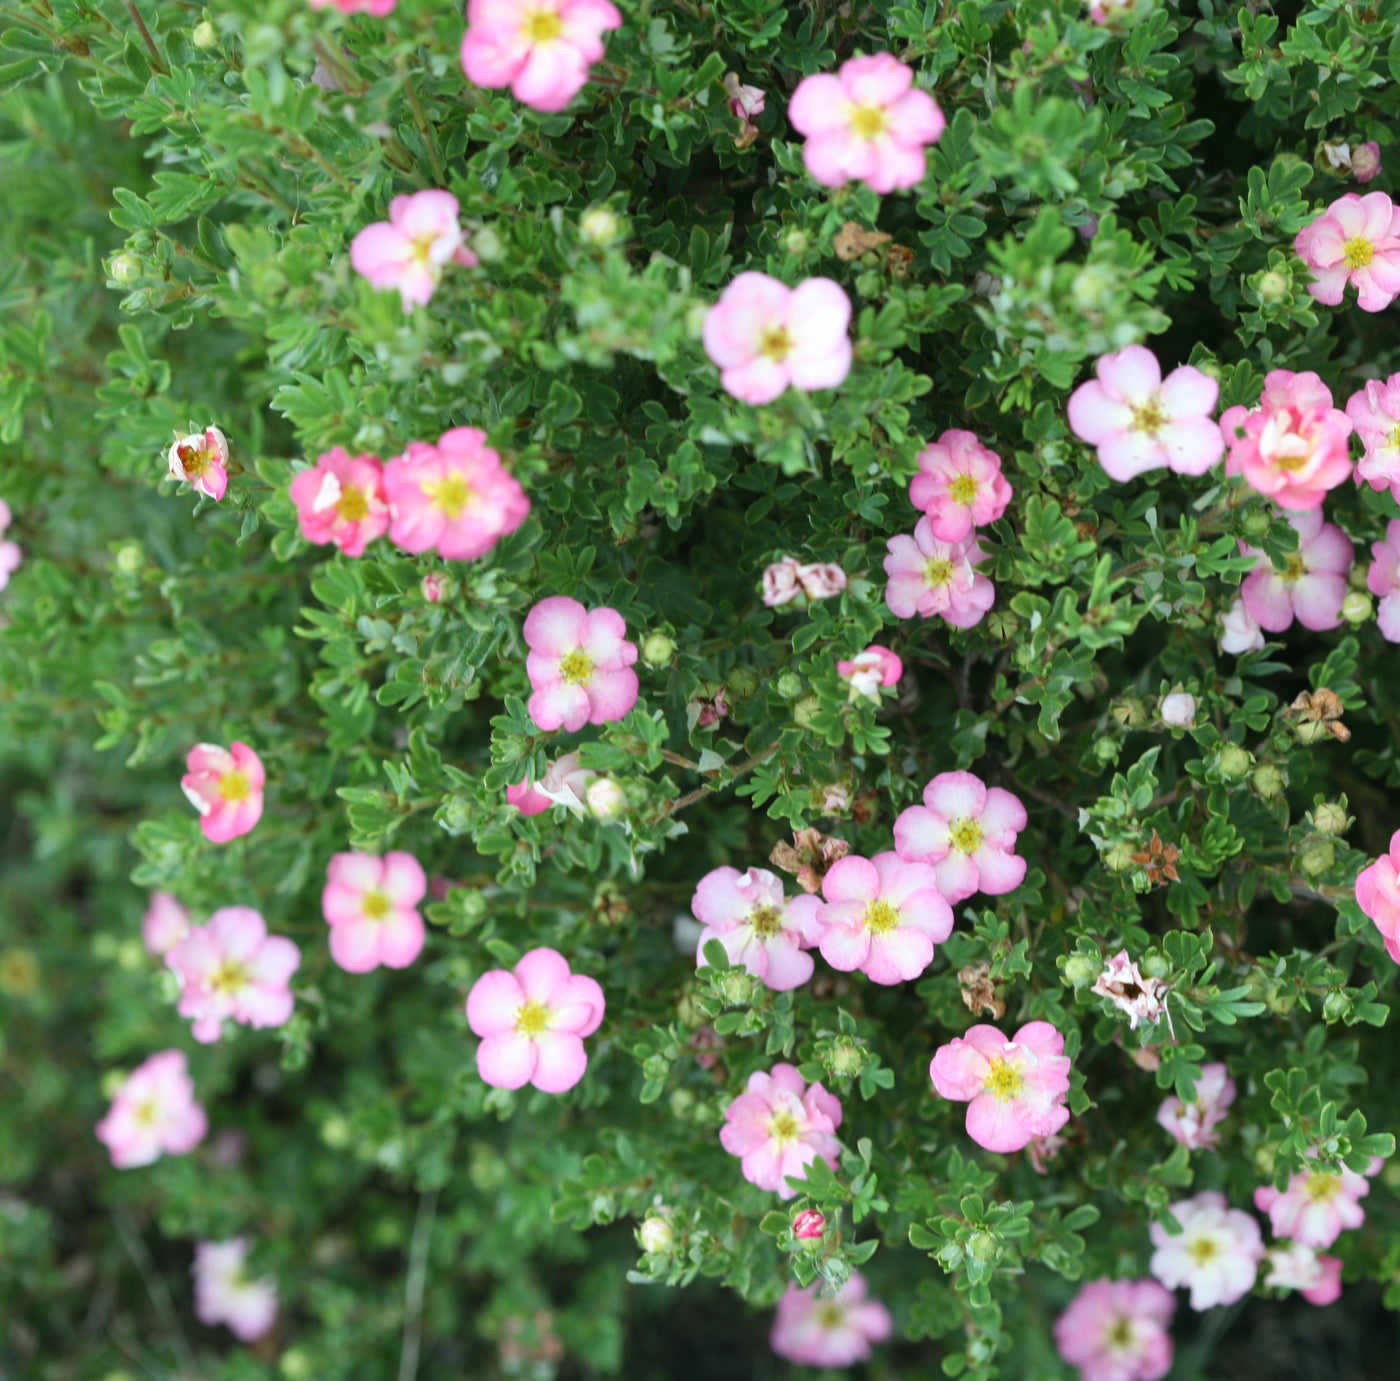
x=809, y=856
x=1159, y=859
x=1316, y=713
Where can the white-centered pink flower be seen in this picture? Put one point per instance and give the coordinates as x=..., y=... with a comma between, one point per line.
x=760, y=928
x=1015, y=1089
x=533, y=1021
x=409, y=251
x=867, y=122
x=341, y=499
x=541, y=49
x=154, y=1113
x=164, y=925
x=1378, y=895
x=225, y=785
x=868, y=671
x=1313, y=584
x=1118, y=1330
x=1239, y=630
x=779, y=1126
x=1293, y=1266
x=1375, y=413
x=371, y=906
x=564, y=783
x=223, y=1292
x=967, y=831
x=580, y=664
x=1216, y=1254
x=1193, y=1124
x=1317, y=1204
x=959, y=486
x=928, y=576
x=201, y=461
x=763, y=336
x=232, y=968
x=835, y=1331
x=1125, y=985
x=1357, y=241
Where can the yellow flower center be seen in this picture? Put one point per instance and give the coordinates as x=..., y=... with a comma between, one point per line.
x=938, y=572
x=235, y=786
x=766, y=922
x=1003, y=1081
x=532, y=1019
x=784, y=1127
x=229, y=977
x=448, y=495
x=1357, y=252
x=1294, y=570
x=830, y=1314
x=577, y=667
x=353, y=506
x=1394, y=438
x=775, y=343
x=881, y=917
x=423, y=249
x=542, y=27
x=1119, y=1333
x=195, y=459
x=1322, y=1188
x=963, y=490
x=868, y=121
x=375, y=906
x=965, y=836
x=1148, y=417
x=147, y=1112
x=1203, y=1250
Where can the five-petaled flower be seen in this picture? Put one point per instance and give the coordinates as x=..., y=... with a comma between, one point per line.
x=223, y=1293
x=1313, y=583
x=410, y=250
x=1117, y=1330
x=580, y=664
x=1193, y=1124
x=928, y=576
x=1357, y=241
x=341, y=499
x=959, y=486
x=967, y=831
x=1293, y=1266
x=154, y=1113
x=371, y=906
x=1142, y=997
x=835, y=1331
x=225, y=785
x=1375, y=413
x=760, y=928
x=778, y=1126
x=1317, y=1204
x=868, y=671
x=1378, y=895
x=201, y=461
x=1216, y=1254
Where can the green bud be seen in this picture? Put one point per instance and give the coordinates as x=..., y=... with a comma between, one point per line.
x=797, y=242
x=983, y=1247
x=742, y=682
x=1357, y=608
x=656, y=1236
x=603, y=1209
x=132, y=955
x=599, y=226
x=1359, y=577
x=657, y=650
x=1256, y=524
x=605, y=799
x=682, y=1104
x=1272, y=286
x=335, y=1132
x=296, y=1365
x=845, y=1060
x=1335, y=1006
x=130, y=558
x=1080, y=970
x=123, y=268
x=1268, y=781
x=1130, y=712
x=204, y=35
x=1233, y=761
x=1330, y=818
x=805, y=711
x=1118, y=858
x=486, y=244
x=735, y=987
x=1317, y=857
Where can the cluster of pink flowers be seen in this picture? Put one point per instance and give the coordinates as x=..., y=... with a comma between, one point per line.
x=371, y=906
x=789, y=579
x=1317, y=1205
x=580, y=664
x=1357, y=241
x=409, y=251
x=10, y=553
x=224, y=1294
x=154, y=1113
x=1193, y=1124
x=835, y=1331
x=201, y=461
x=1311, y=587
x=1117, y=1330
x=225, y=785
x=779, y=1126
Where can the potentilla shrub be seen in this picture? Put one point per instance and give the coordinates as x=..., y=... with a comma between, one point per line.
x=643, y=641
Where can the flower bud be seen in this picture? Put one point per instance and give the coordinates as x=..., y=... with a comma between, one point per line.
x=1154, y=966
x=1268, y=781
x=1093, y=289
x=1118, y=858
x=1317, y=857
x=656, y=1236
x=845, y=1060
x=1366, y=161
x=1178, y=709
x=789, y=685
x=1233, y=761
x=1272, y=286
x=1330, y=818
x=1333, y=157
x=605, y=799
x=130, y=558
x=434, y=586
x=983, y=1247
x=123, y=268
x=657, y=650
x=1256, y=524
x=1357, y=608
x=743, y=682
x=1130, y=712
x=1335, y=1005
x=797, y=242
x=486, y=244
x=809, y=1226
x=805, y=711
x=735, y=987
x=204, y=35
x=599, y=226
x=1080, y=970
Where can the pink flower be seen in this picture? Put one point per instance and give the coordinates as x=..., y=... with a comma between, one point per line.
x=1293, y=447
x=764, y=336
x=455, y=498
x=1194, y=1124
x=200, y=460
x=779, y=1127
x=1125, y=986
x=410, y=250
x=869, y=670
x=563, y=784
x=434, y=587
x=1312, y=586
x=1383, y=580
x=1293, y=1266
x=959, y=486
x=746, y=103
x=532, y=1022
x=342, y=500
x=224, y=1294
x=1138, y=421
x=1317, y=1204
x=1366, y=161
x=154, y=1113
x=580, y=664
x=780, y=583
x=809, y=1225
x=869, y=121
x=1015, y=1089
x=10, y=557
x=967, y=830
x=232, y=967
x=225, y=785
x=833, y=1332
x=541, y=49
x=1378, y=895
x=1116, y=1330
x=1356, y=240
x=377, y=8
x=758, y=926
x=822, y=580
x=371, y=905
x=1239, y=631
x=1216, y=1255
x=164, y=925
x=1375, y=413
x=928, y=576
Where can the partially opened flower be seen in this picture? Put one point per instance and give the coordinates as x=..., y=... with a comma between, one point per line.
x=580, y=664
x=225, y=785
x=779, y=1126
x=201, y=460
x=821, y=579
x=564, y=783
x=164, y=925
x=928, y=576
x=1357, y=241
x=1216, y=1254
x=1366, y=161
x=967, y=831
x=1118, y=1330
x=1312, y=585
x=224, y=1294
x=746, y=103
x=1143, y=998
x=341, y=499
x=1293, y=1266
x=1317, y=1204
x=959, y=486
x=835, y=1331
x=154, y=1113
x=409, y=251
x=371, y=906
x=1193, y=1124
x=758, y=926
x=1239, y=630
x=1375, y=413
x=1378, y=895
x=868, y=671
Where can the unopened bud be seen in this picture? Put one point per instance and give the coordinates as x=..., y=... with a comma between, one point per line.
x=1335, y=1006
x=656, y=1236
x=1233, y=761
x=735, y=986
x=1317, y=858
x=1080, y=970
x=123, y=268
x=797, y=242
x=657, y=650
x=486, y=244
x=130, y=558
x=434, y=587
x=742, y=683
x=805, y=711
x=1268, y=781
x=789, y=685
x=605, y=799
x=599, y=226
x=809, y=1226
x=845, y=1060
x=1118, y=858
x=1330, y=818
x=1272, y=286
x=1178, y=709
x=1256, y=524
x=983, y=1247
x=1357, y=608
x=1130, y=712
x=204, y=35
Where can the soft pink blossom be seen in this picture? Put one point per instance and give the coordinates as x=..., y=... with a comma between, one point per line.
x=1125, y=985
x=1216, y=1255
x=1015, y=1089
x=1293, y=1266
x=201, y=460
x=563, y=784
x=758, y=926
x=764, y=336
x=1366, y=161
x=1239, y=631
x=1311, y=587
x=835, y=1331
x=541, y=49
x=164, y=925
x=967, y=830
x=371, y=906
x=1117, y=1330
x=869, y=670
x=532, y=1022
x=1357, y=241
x=781, y=584
x=231, y=967
x=868, y=122
x=809, y=1225
x=580, y=664
x=1375, y=413
x=341, y=499
x=1378, y=895
x=779, y=1126
x=928, y=576
x=821, y=580
x=224, y=1294
x=746, y=103
x=1194, y=1124
x=154, y=1113
x=11, y=555
x=1139, y=421
x=1383, y=580
x=1317, y=1204
x=410, y=250
x=225, y=785
x=377, y=8
x=959, y=486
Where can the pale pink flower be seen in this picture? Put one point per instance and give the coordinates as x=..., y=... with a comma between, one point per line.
x=1239, y=631
x=1317, y=1204
x=201, y=460
x=868, y=121
x=1131, y=991
x=869, y=670
x=164, y=925
x=371, y=906
x=1015, y=1089
x=1357, y=241
x=928, y=576
x=341, y=500
x=1312, y=586
x=1216, y=1255
x=1383, y=580
x=580, y=664
x=532, y=1022
x=1194, y=1124
x=1178, y=710
x=959, y=485
x=455, y=498
x=1378, y=895
x=410, y=250
x=1375, y=413
x=758, y=926
x=967, y=830
x=835, y=1331
x=781, y=584
x=541, y=49
x=1041, y=1150
x=231, y=967
x=809, y=1225
x=1117, y=1330
x=779, y=1126
x=225, y=785
x=1293, y=1266
x=821, y=580
x=224, y=1294
x=154, y=1113
x=764, y=336
x=1366, y=161
x=564, y=783
x=377, y=8
x=11, y=555
x=746, y=103
x=1139, y=421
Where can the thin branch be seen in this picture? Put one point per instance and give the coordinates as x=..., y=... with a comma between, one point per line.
x=146, y=35
x=155, y=1287
x=415, y=1285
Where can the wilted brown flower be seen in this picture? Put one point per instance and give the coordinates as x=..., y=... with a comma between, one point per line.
x=853, y=240
x=809, y=856
x=1316, y=713
x=978, y=994
x=1159, y=859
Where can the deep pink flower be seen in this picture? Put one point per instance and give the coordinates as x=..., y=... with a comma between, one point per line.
x=455, y=498
x=869, y=670
x=1117, y=1330
x=1378, y=895
x=532, y=1022
x=1383, y=581
x=868, y=122
x=967, y=830
x=1239, y=630
x=580, y=664
x=928, y=576
x=541, y=49
x=164, y=925
x=833, y=1332
x=1139, y=421
x=1194, y=1124
x=341, y=499
x=1292, y=1266
x=1317, y=1204
x=371, y=906
x=224, y=1294
x=1375, y=413
x=225, y=785
x=377, y=8
x=779, y=1126
x=1216, y=1255
x=200, y=460
x=1131, y=991
x=1366, y=161
x=959, y=485
x=154, y=1113
x=764, y=336
x=1312, y=586
x=410, y=250
x=1015, y=1089
x=758, y=926
x=1357, y=241
x=563, y=784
